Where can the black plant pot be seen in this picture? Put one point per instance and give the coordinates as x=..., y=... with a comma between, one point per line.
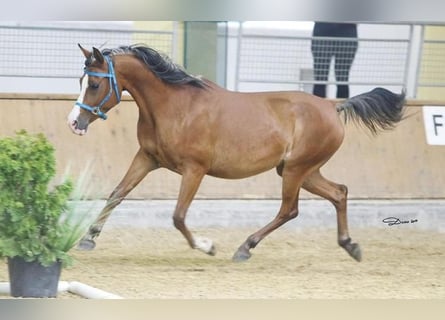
x=32, y=280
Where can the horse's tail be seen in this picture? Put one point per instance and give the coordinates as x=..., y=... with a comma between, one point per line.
x=379, y=109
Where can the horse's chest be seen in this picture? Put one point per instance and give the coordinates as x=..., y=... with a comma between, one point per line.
x=162, y=151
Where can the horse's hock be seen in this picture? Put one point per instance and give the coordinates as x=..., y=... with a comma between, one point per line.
x=395, y=164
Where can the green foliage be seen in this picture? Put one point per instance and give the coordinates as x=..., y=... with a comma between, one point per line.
x=36, y=222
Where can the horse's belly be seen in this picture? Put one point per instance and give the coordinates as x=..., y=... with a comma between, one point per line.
x=238, y=172
x=238, y=163
x=249, y=141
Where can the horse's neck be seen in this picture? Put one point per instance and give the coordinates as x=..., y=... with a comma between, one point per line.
x=145, y=88
x=154, y=97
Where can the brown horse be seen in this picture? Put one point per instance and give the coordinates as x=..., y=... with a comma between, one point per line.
x=193, y=127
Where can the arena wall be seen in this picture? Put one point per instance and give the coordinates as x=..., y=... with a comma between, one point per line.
x=396, y=164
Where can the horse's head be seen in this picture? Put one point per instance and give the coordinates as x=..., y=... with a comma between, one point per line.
x=99, y=91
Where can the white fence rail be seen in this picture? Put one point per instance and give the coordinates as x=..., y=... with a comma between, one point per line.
x=265, y=61
x=401, y=61
x=50, y=52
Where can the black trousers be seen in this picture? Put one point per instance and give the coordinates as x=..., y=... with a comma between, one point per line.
x=342, y=51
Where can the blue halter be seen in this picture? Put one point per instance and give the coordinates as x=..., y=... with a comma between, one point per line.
x=113, y=86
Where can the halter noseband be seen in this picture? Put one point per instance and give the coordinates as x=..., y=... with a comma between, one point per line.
x=113, y=86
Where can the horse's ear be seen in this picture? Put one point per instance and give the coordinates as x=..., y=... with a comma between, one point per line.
x=85, y=52
x=98, y=55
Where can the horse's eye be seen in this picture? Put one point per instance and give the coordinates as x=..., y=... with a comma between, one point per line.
x=94, y=86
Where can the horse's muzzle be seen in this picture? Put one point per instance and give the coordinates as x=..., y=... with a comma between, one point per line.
x=77, y=122
x=74, y=125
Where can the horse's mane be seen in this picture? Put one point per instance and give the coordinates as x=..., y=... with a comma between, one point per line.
x=159, y=64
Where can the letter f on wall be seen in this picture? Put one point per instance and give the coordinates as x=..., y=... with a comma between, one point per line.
x=434, y=121
x=437, y=123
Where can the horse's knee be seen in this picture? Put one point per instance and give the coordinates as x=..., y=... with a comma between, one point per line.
x=114, y=199
x=343, y=190
x=293, y=214
x=178, y=222
x=289, y=215
x=341, y=195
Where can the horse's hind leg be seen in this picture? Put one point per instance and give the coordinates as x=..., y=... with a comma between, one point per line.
x=337, y=195
x=292, y=181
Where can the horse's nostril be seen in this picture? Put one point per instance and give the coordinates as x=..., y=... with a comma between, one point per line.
x=74, y=123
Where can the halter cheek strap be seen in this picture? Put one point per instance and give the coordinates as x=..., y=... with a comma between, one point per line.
x=113, y=87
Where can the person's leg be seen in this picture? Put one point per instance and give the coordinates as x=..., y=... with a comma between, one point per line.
x=344, y=57
x=322, y=58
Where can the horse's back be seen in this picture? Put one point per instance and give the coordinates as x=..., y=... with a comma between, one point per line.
x=291, y=111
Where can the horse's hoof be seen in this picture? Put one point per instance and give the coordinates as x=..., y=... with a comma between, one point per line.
x=86, y=245
x=355, y=252
x=205, y=245
x=241, y=255
x=352, y=248
x=212, y=251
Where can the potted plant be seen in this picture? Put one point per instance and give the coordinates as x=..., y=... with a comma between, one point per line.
x=37, y=224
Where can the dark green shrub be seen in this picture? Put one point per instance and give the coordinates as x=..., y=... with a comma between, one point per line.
x=32, y=225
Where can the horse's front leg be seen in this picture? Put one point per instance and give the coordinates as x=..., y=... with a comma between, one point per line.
x=191, y=179
x=142, y=164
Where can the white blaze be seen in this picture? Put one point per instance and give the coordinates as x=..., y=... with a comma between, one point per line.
x=72, y=117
